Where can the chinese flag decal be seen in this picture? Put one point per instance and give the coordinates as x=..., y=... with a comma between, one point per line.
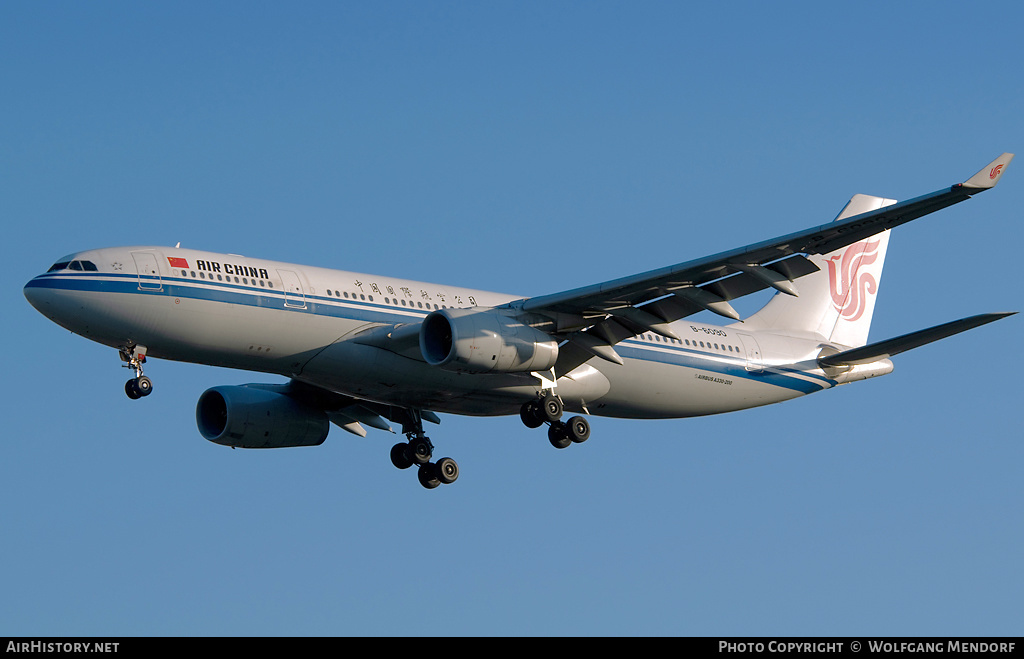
x=177, y=263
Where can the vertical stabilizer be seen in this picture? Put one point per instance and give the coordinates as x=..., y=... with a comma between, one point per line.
x=835, y=303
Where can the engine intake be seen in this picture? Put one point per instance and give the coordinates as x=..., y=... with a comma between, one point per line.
x=481, y=341
x=251, y=416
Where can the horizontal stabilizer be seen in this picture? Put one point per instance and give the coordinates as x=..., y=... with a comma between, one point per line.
x=884, y=349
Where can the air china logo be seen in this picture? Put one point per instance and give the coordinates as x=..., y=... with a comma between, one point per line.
x=995, y=171
x=849, y=284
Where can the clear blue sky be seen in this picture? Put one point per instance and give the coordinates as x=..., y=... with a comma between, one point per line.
x=529, y=148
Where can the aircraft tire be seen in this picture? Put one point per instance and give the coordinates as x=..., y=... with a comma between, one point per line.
x=558, y=435
x=530, y=414
x=132, y=390
x=427, y=475
x=447, y=470
x=551, y=409
x=400, y=455
x=419, y=451
x=578, y=429
x=144, y=385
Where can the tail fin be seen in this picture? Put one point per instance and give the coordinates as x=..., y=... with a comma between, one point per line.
x=835, y=303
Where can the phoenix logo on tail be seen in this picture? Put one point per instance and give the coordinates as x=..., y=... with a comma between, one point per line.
x=849, y=285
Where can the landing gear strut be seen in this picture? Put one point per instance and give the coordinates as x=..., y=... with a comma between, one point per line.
x=418, y=451
x=548, y=408
x=140, y=385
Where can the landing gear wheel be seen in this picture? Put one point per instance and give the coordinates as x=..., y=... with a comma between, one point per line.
x=132, y=390
x=530, y=414
x=447, y=470
x=400, y=455
x=551, y=409
x=420, y=450
x=558, y=435
x=428, y=476
x=144, y=385
x=578, y=429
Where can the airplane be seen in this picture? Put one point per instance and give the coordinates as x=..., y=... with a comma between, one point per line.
x=361, y=350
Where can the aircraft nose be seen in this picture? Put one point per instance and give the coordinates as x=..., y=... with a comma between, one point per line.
x=31, y=294
x=37, y=295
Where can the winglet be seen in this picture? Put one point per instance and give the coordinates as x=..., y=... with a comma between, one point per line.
x=990, y=175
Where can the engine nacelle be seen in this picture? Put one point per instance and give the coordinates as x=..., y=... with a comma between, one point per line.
x=251, y=416
x=481, y=341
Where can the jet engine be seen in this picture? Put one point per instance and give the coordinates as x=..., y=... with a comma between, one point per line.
x=478, y=341
x=256, y=416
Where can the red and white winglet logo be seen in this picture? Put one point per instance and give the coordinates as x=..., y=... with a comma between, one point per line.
x=995, y=171
x=849, y=285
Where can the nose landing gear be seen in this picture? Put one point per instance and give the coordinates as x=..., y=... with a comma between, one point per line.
x=140, y=385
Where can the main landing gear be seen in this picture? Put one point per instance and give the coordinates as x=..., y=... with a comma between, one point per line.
x=140, y=385
x=547, y=408
x=418, y=451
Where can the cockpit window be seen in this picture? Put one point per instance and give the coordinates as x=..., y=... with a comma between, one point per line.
x=87, y=266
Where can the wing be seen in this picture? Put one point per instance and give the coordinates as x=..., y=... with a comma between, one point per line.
x=592, y=319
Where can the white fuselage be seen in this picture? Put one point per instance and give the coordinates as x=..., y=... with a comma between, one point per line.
x=300, y=322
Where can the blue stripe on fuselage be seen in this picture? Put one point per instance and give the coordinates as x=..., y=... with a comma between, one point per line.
x=729, y=366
